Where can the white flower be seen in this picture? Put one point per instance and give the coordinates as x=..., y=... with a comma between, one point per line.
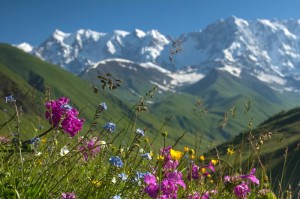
x=37, y=154
x=102, y=144
x=141, y=150
x=64, y=151
x=114, y=180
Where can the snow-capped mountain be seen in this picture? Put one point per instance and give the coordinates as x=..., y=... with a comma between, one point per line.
x=266, y=49
x=76, y=51
x=26, y=47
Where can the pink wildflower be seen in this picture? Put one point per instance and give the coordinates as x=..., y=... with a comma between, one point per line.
x=59, y=111
x=90, y=148
x=170, y=182
x=241, y=190
x=152, y=188
x=251, y=176
x=194, y=173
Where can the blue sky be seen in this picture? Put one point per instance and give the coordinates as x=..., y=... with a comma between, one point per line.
x=33, y=21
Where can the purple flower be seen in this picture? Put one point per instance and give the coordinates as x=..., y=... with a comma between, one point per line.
x=90, y=148
x=169, y=185
x=251, y=176
x=205, y=195
x=194, y=195
x=149, y=179
x=9, y=99
x=176, y=176
x=170, y=181
x=241, y=190
x=152, y=188
x=110, y=127
x=59, y=111
x=194, y=172
x=227, y=179
x=165, y=152
x=71, y=124
x=69, y=195
x=116, y=161
x=140, y=132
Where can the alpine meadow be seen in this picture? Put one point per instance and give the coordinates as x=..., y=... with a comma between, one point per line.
x=210, y=114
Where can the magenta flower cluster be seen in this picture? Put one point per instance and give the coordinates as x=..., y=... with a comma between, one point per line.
x=59, y=112
x=241, y=188
x=90, y=148
x=170, y=182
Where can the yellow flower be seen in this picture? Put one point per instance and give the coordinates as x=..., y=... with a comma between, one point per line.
x=151, y=154
x=230, y=151
x=39, y=162
x=202, y=158
x=203, y=170
x=192, y=157
x=44, y=140
x=160, y=158
x=214, y=162
x=176, y=155
x=208, y=175
x=96, y=183
x=186, y=149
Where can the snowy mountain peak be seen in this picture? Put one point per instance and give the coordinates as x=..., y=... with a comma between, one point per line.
x=26, y=47
x=89, y=34
x=157, y=36
x=120, y=33
x=59, y=35
x=139, y=33
x=75, y=51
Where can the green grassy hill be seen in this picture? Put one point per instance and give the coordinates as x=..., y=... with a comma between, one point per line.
x=28, y=78
x=224, y=99
x=284, y=140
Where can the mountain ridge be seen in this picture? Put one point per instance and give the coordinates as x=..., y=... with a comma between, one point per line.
x=266, y=49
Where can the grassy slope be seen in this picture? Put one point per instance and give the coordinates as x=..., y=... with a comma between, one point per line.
x=219, y=91
x=21, y=69
x=285, y=126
